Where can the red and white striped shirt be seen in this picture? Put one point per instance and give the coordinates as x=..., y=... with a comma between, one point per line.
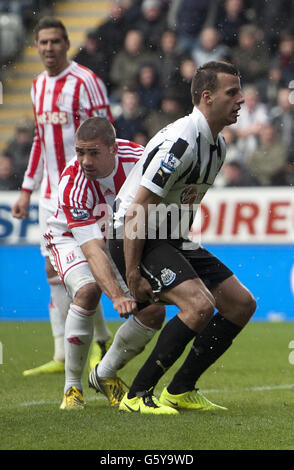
x=83, y=203
x=60, y=103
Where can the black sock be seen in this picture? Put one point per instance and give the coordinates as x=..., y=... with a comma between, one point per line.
x=171, y=343
x=207, y=347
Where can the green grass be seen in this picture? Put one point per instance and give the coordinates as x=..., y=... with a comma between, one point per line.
x=253, y=380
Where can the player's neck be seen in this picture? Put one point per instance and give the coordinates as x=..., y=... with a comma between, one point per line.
x=54, y=71
x=215, y=126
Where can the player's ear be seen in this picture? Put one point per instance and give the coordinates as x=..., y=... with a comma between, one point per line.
x=114, y=148
x=206, y=95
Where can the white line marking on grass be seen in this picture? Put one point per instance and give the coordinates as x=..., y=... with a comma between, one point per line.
x=250, y=389
x=211, y=390
x=44, y=402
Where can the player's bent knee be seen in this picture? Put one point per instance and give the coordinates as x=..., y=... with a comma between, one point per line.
x=246, y=307
x=152, y=316
x=197, y=318
x=251, y=305
x=88, y=296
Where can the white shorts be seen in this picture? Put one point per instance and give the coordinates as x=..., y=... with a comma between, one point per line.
x=71, y=264
x=69, y=261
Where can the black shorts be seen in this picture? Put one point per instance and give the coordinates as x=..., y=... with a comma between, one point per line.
x=165, y=266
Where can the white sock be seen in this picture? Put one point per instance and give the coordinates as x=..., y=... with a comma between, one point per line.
x=57, y=327
x=101, y=332
x=60, y=302
x=129, y=340
x=77, y=340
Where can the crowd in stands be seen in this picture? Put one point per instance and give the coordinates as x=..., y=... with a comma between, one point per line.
x=147, y=51
x=17, y=17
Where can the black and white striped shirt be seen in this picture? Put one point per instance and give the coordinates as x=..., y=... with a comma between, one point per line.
x=179, y=164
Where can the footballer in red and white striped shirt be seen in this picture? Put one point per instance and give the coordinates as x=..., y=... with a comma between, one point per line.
x=85, y=198
x=63, y=96
x=61, y=103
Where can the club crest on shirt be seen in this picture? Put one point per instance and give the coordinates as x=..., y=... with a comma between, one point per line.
x=169, y=163
x=79, y=214
x=167, y=276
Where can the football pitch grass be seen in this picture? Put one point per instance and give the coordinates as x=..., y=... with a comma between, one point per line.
x=254, y=380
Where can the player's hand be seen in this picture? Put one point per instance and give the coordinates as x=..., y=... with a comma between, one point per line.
x=140, y=288
x=124, y=306
x=20, y=208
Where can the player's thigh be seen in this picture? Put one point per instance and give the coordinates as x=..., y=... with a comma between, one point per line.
x=171, y=274
x=71, y=264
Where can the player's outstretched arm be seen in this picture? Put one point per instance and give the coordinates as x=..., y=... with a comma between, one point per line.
x=105, y=277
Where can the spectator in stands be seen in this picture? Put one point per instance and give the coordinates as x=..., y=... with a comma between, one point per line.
x=284, y=58
x=130, y=121
x=253, y=116
x=149, y=89
x=18, y=150
x=284, y=176
x=232, y=155
x=273, y=85
x=169, y=58
x=209, y=47
x=169, y=111
x=141, y=137
x=230, y=17
x=269, y=156
x=92, y=55
x=274, y=17
x=234, y=174
x=183, y=80
x=132, y=10
x=251, y=57
x=190, y=19
x=282, y=116
x=127, y=62
x=112, y=32
x=230, y=137
x=152, y=22
x=7, y=180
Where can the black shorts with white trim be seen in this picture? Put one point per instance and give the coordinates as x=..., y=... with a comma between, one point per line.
x=165, y=266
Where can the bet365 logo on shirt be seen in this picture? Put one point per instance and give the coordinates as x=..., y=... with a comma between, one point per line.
x=53, y=117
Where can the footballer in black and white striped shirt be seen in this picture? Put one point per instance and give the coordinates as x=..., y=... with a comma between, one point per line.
x=158, y=261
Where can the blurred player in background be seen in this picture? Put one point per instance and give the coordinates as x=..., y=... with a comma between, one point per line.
x=76, y=245
x=63, y=96
x=177, y=168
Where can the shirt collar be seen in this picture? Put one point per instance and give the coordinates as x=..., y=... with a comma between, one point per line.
x=202, y=124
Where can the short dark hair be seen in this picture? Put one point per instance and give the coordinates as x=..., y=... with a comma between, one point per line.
x=205, y=78
x=97, y=128
x=50, y=22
